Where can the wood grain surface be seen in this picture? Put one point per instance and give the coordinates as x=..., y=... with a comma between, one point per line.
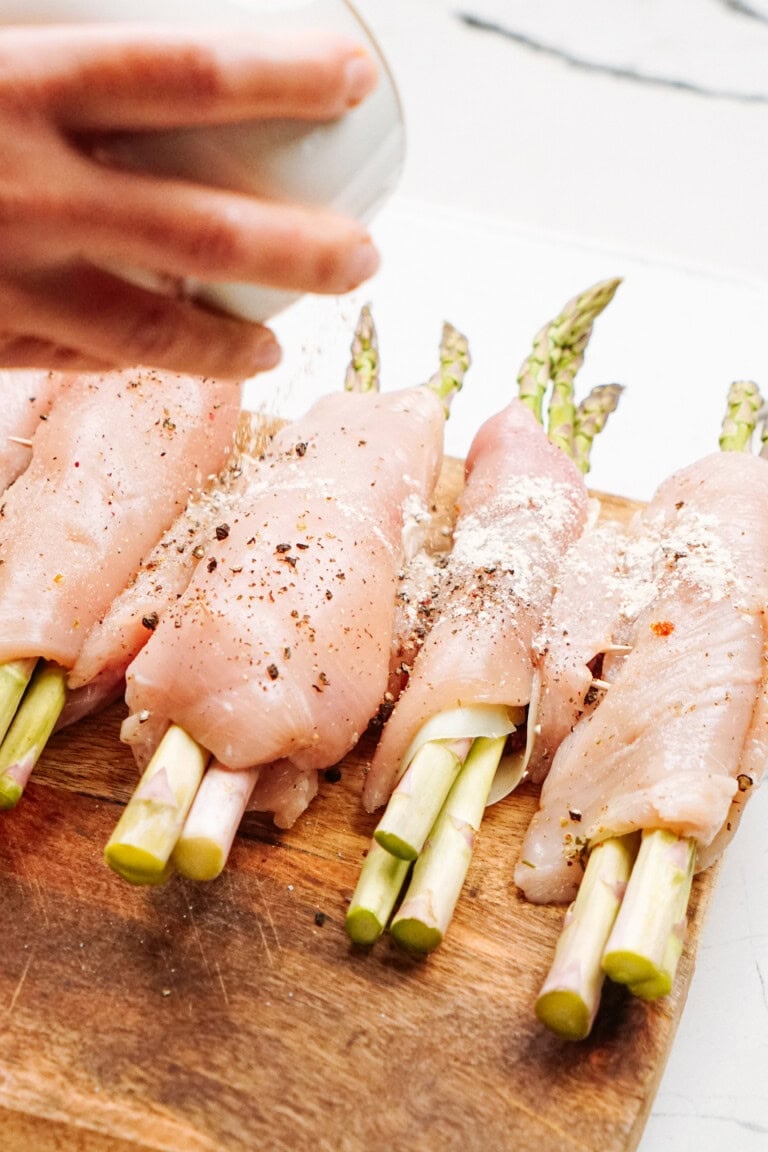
x=236, y=1015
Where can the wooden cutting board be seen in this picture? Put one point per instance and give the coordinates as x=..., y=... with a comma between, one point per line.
x=237, y=1016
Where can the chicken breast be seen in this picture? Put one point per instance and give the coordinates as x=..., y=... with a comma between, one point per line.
x=605, y=580
x=524, y=502
x=280, y=647
x=115, y=463
x=25, y=399
x=99, y=671
x=668, y=744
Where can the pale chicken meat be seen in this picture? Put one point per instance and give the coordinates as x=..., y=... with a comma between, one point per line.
x=279, y=649
x=284, y=791
x=163, y=574
x=523, y=504
x=116, y=461
x=680, y=735
x=25, y=400
x=605, y=580
x=99, y=671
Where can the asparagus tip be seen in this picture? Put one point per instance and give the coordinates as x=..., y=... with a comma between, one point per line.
x=455, y=361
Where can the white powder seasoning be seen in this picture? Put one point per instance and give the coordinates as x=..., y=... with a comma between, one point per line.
x=627, y=568
x=687, y=549
x=417, y=520
x=613, y=573
x=418, y=587
x=508, y=551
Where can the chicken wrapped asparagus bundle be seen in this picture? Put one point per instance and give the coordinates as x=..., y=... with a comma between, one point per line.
x=112, y=466
x=662, y=765
x=523, y=504
x=279, y=652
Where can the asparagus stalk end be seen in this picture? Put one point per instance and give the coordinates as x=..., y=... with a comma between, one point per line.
x=646, y=942
x=33, y=723
x=395, y=845
x=363, y=926
x=199, y=858
x=136, y=865
x=10, y=792
x=570, y=996
x=140, y=847
x=565, y=1012
x=415, y=935
x=377, y=890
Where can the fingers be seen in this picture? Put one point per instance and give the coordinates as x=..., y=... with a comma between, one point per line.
x=111, y=322
x=213, y=235
x=31, y=352
x=109, y=78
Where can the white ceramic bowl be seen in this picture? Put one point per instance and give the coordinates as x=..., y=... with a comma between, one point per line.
x=350, y=164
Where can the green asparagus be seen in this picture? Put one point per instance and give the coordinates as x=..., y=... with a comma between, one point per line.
x=30, y=729
x=455, y=361
x=591, y=416
x=570, y=995
x=14, y=678
x=439, y=873
x=743, y=406
x=363, y=368
x=140, y=847
x=557, y=355
x=647, y=939
x=378, y=887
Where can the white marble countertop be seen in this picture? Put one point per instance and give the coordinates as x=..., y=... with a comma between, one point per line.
x=551, y=145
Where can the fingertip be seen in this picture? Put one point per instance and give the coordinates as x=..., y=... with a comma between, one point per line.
x=364, y=262
x=361, y=75
x=246, y=350
x=267, y=352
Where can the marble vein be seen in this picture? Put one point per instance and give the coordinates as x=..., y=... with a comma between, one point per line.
x=598, y=67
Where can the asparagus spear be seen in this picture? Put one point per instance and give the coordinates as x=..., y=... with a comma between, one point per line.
x=647, y=939
x=570, y=996
x=209, y=830
x=432, y=764
x=439, y=873
x=418, y=797
x=29, y=730
x=14, y=678
x=591, y=416
x=557, y=355
x=743, y=406
x=140, y=847
x=363, y=368
x=378, y=887
x=455, y=361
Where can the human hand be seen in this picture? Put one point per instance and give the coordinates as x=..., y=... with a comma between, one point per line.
x=65, y=216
